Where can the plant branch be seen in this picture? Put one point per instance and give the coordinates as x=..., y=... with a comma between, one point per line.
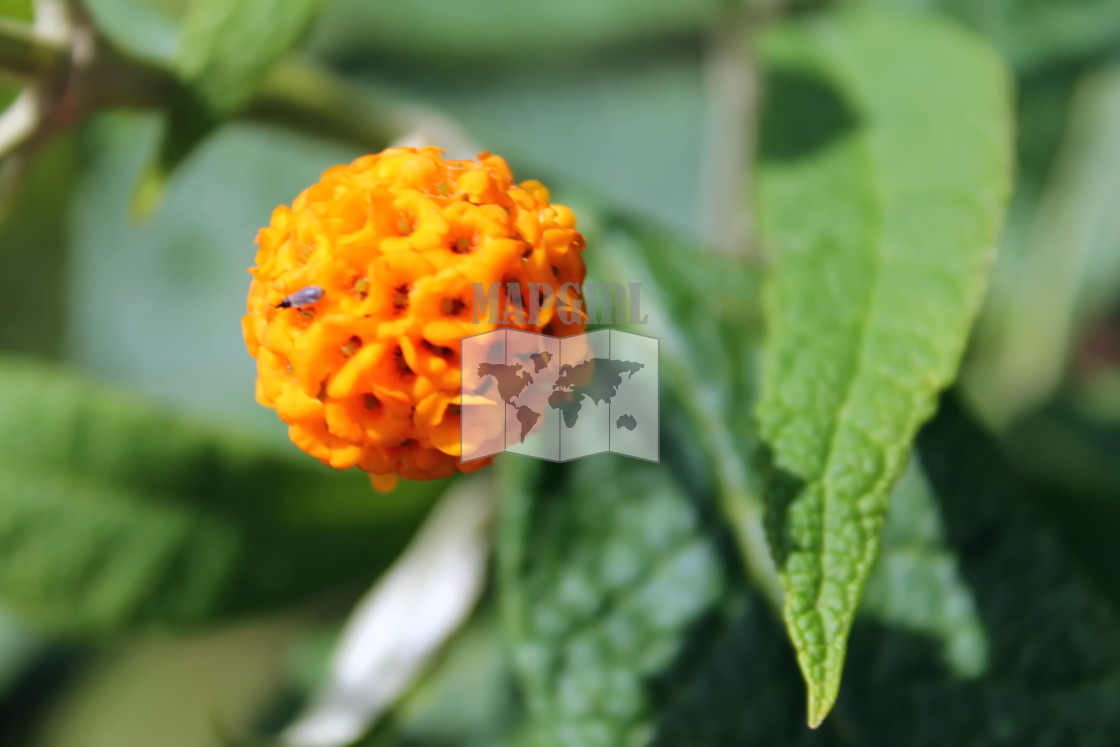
x=298, y=95
x=307, y=98
x=25, y=58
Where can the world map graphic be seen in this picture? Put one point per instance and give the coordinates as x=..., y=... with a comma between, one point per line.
x=530, y=386
x=559, y=399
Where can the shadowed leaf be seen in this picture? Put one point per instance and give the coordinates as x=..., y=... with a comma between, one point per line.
x=979, y=627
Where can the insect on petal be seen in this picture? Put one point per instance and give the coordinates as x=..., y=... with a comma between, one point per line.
x=301, y=298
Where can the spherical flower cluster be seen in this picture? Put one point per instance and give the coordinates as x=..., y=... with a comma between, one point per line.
x=364, y=287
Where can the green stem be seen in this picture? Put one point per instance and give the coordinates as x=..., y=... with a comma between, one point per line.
x=307, y=98
x=25, y=58
x=297, y=95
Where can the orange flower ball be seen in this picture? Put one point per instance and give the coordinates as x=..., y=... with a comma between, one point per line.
x=364, y=287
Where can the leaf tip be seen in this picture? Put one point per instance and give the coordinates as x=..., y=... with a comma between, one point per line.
x=822, y=682
x=822, y=697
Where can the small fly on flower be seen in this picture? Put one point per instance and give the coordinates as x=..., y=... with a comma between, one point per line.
x=302, y=298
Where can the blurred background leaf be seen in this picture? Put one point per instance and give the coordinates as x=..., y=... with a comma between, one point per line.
x=225, y=51
x=628, y=127
x=147, y=28
x=113, y=514
x=157, y=307
x=228, y=48
x=175, y=691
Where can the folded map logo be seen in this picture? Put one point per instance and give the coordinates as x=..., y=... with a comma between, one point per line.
x=560, y=398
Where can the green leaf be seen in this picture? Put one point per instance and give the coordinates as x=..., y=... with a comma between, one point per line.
x=113, y=514
x=881, y=188
x=979, y=628
x=628, y=614
x=226, y=50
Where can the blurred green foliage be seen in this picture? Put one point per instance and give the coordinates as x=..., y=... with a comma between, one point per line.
x=152, y=305
x=164, y=522
x=172, y=571
x=630, y=618
x=223, y=56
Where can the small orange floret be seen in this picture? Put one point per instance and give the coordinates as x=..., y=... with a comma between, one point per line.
x=368, y=374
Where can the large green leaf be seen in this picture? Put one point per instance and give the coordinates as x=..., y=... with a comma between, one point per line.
x=979, y=627
x=113, y=514
x=628, y=614
x=884, y=172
